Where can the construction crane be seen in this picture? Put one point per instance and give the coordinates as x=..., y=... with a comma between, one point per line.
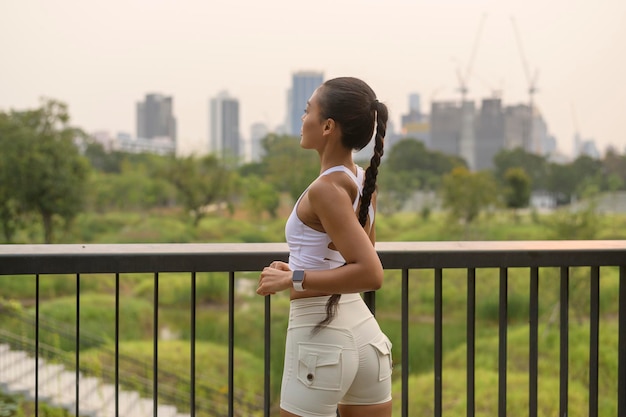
x=532, y=87
x=577, y=137
x=496, y=92
x=464, y=78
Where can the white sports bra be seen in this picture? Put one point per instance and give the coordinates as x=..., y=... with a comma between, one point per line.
x=308, y=248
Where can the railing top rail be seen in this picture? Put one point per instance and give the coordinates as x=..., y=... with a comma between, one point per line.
x=199, y=257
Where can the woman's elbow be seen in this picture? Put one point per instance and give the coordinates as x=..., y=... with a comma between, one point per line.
x=377, y=279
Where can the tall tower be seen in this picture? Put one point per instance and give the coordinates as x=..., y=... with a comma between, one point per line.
x=446, y=127
x=490, y=133
x=415, y=105
x=224, y=139
x=258, y=131
x=155, y=117
x=303, y=84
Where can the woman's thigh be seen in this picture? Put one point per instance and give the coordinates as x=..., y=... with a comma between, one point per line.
x=319, y=369
x=374, y=410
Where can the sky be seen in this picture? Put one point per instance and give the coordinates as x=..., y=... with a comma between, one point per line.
x=102, y=57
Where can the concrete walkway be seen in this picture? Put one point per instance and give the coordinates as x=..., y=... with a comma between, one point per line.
x=57, y=387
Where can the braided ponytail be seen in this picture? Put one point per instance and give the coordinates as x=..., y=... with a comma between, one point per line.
x=352, y=103
x=371, y=172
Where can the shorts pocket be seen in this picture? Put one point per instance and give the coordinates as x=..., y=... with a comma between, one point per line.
x=319, y=366
x=382, y=345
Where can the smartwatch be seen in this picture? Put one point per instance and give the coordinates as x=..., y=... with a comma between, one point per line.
x=297, y=278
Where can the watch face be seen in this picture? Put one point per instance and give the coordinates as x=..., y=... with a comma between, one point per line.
x=298, y=276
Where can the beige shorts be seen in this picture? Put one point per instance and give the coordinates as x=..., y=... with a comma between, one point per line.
x=347, y=362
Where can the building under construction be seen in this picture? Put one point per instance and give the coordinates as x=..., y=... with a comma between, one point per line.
x=477, y=135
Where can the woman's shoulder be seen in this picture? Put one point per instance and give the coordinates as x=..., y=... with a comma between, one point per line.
x=333, y=188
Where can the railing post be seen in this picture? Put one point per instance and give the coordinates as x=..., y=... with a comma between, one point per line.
x=502, y=341
x=370, y=300
x=77, y=344
x=37, y=346
x=266, y=379
x=471, y=342
x=155, y=359
x=117, y=344
x=438, y=342
x=564, y=342
x=533, y=341
x=192, y=349
x=621, y=377
x=405, y=342
x=231, y=343
x=594, y=340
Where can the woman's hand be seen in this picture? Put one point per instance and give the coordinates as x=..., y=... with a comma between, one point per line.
x=274, y=278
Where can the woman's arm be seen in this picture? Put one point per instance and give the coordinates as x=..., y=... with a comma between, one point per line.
x=332, y=204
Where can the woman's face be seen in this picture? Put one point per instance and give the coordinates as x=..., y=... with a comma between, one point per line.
x=312, y=124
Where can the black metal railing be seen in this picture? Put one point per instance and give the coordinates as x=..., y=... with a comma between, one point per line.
x=403, y=256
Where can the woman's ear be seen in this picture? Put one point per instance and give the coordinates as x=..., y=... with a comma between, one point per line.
x=329, y=126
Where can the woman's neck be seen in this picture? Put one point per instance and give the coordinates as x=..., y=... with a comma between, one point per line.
x=336, y=160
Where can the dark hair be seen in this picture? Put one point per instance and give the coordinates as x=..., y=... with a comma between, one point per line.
x=352, y=104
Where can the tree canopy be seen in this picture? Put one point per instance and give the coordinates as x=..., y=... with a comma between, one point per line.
x=200, y=182
x=48, y=174
x=466, y=194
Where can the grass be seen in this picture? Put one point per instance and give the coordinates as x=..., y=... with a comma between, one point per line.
x=454, y=380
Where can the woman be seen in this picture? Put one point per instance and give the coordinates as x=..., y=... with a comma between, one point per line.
x=336, y=356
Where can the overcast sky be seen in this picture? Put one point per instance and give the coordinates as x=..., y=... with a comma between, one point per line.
x=101, y=57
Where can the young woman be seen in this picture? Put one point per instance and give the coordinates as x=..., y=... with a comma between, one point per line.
x=336, y=356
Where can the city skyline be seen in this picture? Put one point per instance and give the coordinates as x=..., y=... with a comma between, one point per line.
x=101, y=58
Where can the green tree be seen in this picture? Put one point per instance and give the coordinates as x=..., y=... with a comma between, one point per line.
x=571, y=180
x=409, y=166
x=11, y=134
x=50, y=174
x=615, y=167
x=287, y=166
x=101, y=160
x=260, y=197
x=200, y=182
x=465, y=194
x=588, y=172
x=428, y=167
x=536, y=166
x=518, y=186
x=136, y=187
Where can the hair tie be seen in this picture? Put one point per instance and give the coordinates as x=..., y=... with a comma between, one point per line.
x=374, y=105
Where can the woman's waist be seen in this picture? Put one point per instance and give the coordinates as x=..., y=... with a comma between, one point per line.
x=309, y=311
x=317, y=300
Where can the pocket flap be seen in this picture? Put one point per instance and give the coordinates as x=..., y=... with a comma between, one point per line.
x=382, y=345
x=324, y=354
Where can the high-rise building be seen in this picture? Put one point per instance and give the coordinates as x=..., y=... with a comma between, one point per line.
x=258, y=132
x=452, y=129
x=477, y=135
x=489, y=132
x=303, y=84
x=155, y=118
x=415, y=105
x=224, y=138
x=516, y=126
x=445, y=127
x=527, y=129
x=415, y=124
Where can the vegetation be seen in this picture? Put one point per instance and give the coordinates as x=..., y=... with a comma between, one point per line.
x=40, y=167
x=18, y=406
x=136, y=309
